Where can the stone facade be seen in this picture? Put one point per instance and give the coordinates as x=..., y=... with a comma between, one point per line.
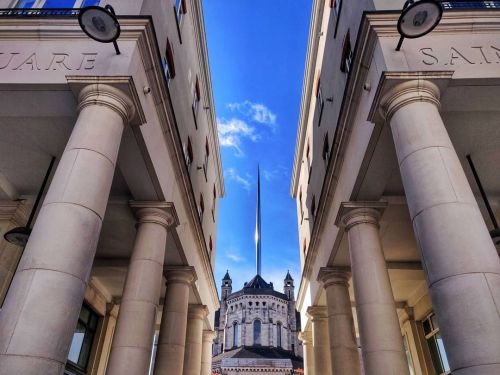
x=257, y=304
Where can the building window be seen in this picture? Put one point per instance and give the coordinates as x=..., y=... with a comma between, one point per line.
x=347, y=55
x=320, y=104
x=326, y=150
x=313, y=207
x=308, y=160
x=256, y=332
x=235, y=334
x=436, y=346
x=168, y=62
x=278, y=335
x=55, y=3
x=83, y=338
x=202, y=207
x=210, y=245
x=180, y=9
x=337, y=8
x=301, y=206
x=213, y=203
x=188, y=153
x=207, y=154
x=196, y=101
x=304, y=246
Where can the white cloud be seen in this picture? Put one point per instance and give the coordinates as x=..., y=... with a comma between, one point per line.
x=232, y=131
x=258, y=112
x=233, y=175
x=278, y=172
x=234, y=255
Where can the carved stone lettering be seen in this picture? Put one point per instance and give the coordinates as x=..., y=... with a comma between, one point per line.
x=454, y=56
x=58, y=61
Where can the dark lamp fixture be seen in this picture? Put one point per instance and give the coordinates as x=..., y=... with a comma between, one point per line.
x=100, y=24
x=418, y=19
x=495, y=232
x=19, y=236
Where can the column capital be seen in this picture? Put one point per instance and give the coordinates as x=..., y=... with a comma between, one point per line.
x=306, y=337
x=197, y=311
x=180, y=274
x=317, y=312
x=354, y=213
x=417, y=90
x=109, y=96
x=208, y=335
x=334, y=276
x=162, y=213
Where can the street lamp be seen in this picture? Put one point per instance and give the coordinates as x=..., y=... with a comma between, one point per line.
x=100, y=24
x=418, y=19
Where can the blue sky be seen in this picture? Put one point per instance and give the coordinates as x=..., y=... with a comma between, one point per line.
x=257, y=53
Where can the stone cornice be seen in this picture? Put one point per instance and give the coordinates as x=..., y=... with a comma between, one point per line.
x=307, y=88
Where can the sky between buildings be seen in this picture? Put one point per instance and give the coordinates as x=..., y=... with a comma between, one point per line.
x=257, y=51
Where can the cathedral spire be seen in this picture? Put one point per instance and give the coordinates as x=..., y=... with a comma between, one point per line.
x=257, y=225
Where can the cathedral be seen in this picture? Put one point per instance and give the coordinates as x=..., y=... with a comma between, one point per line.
x=257, y=327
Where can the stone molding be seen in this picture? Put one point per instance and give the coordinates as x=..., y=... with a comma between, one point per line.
x=197, y=311
x=209, y=335
x=329, y=276
x=317, y=313
x=180, y=274
x=108, y=96
x=354, y=213
x=306, y=337
x=416, y=90
x=162, y=213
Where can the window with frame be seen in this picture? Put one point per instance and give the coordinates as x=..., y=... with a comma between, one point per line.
x=83, y=340
x=347, y=55
x=278, y=335
x=308, y=160
x=55, y=3
x=210, y=245
x=180, y=9
x=435, y=345
x=313, y=207
x=168, y=62
x=214, y=201
x=196, y=101
x=326, y=150
x=205, y=163
x=188, y=153
x=256, y=332
x=235, y=335
x=320, y=104
x=301, y=206
x=202, y=207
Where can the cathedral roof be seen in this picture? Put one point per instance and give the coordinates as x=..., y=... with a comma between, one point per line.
x=226, y=276
x=288, y=276
x=258, y=286
x=259, y=352
x=258, y=283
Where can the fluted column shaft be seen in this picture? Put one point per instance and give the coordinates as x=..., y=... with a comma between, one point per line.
x=194, y=339
x=42, y=307
x=343, y=346
x=172, y=338
x=308, y=352
x=321, y=342
x=458, y=255
x=379, y=330
x=133, y=339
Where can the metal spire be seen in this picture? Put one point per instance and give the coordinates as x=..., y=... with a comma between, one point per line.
x=257, y=225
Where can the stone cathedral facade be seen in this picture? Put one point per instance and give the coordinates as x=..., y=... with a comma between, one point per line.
x=257, y=327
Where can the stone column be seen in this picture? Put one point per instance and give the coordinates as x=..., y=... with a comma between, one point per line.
x=206, y=356
x=133, y=340
x=321, y=343
x=343, y=346
x=172, y=338
x=458, y=255
x=42, y=307
x=381, y=339
x=194, y=339
x=307, y=346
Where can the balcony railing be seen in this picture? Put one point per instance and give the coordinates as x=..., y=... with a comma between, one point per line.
x=39, y=12
x=470, y=4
